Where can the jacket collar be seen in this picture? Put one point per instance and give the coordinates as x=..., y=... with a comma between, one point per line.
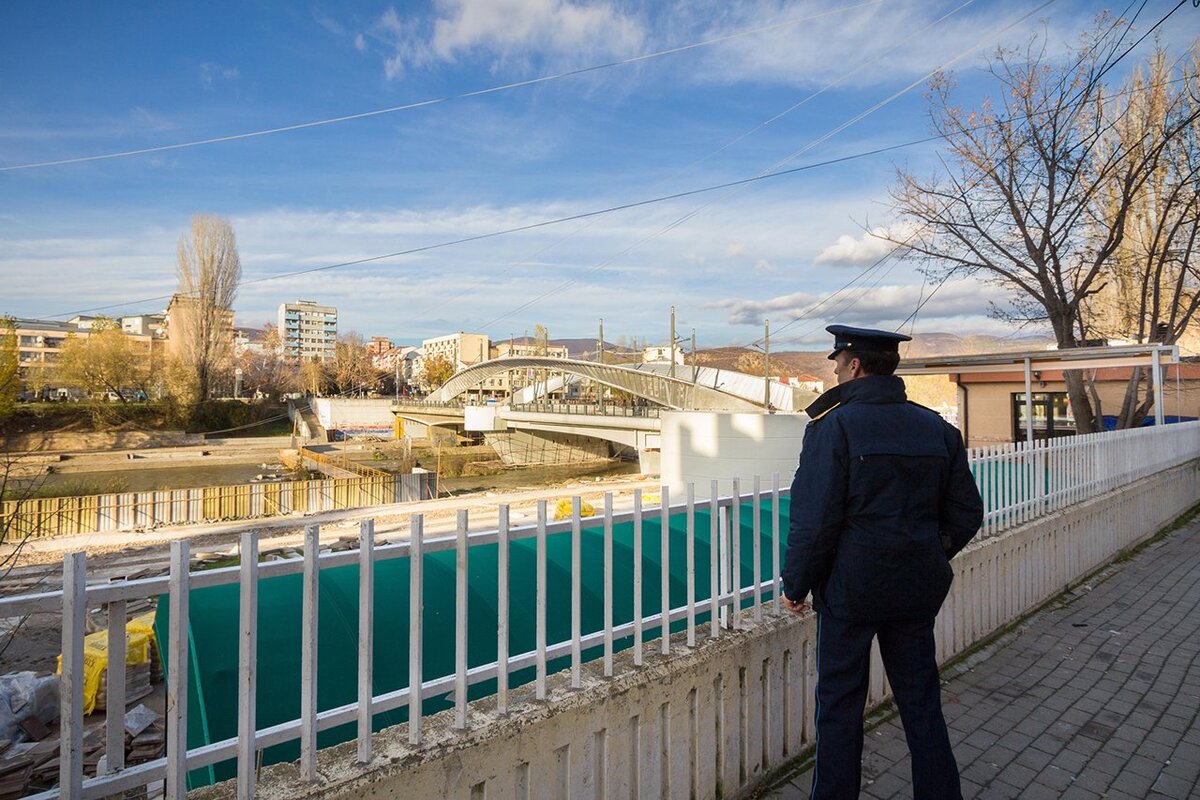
x=868, y=389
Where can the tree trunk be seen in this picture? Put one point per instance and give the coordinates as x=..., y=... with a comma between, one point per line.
x=1081, y=404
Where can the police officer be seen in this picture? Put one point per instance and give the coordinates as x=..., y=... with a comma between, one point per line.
x=882, y=500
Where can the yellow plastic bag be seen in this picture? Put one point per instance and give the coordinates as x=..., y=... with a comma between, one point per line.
x=563, y=509
x=144, y=623
x=95, y=660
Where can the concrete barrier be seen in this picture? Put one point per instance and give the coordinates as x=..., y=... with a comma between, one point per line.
x=716, y=720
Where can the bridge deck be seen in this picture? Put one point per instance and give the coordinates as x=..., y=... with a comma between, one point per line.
x=1097, y=695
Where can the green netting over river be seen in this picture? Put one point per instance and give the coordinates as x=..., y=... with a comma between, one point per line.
x=213, y=630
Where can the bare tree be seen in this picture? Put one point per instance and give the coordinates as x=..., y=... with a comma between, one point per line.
x=267, y=369
x=209, y=270
x=1151, y=287
x=351, y=369
x=1017, y=198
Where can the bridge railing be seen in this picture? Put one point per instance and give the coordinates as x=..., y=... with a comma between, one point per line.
x=590, y=409
x=1019, y=483
x=405, y=403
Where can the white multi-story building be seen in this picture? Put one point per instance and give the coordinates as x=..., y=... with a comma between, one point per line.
x=460, y=349
x=307, y=330
x=658, y=353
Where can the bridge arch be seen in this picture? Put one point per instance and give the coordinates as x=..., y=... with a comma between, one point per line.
x=674, y=393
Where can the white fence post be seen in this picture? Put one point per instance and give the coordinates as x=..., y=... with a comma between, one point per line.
x=70, y=752
x=366, y=635
x=177, y=672
x=247, y=665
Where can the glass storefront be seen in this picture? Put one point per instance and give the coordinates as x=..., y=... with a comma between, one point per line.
x=1051, y=415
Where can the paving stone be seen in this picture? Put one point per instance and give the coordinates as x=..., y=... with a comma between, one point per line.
x=1107, y=710
x=1016, y=774
x=1174, y=787
x=1093, y=780
x=1132, y=784
x=1036, y=792
x=1055, y=777
x=1144, y=766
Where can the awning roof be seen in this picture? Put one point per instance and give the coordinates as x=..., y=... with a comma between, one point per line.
x=1141, y=355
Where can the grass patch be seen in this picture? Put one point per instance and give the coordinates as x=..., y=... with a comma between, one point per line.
x=77, y=488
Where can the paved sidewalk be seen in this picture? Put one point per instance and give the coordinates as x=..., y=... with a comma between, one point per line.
x=1098, y=696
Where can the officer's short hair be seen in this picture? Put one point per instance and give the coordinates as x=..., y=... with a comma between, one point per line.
x=875, y=362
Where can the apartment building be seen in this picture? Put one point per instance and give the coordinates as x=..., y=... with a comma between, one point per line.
x=183, y=320
x=659, y=353
x=400, y=360
x=145, y=325
x=39, y=343
x=506, y=383
x=461, y=349
x=308, y=330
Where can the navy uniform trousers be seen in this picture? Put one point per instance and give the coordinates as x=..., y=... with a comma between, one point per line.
x=843, y=665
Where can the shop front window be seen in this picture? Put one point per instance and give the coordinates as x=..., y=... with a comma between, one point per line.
x=1051, y=415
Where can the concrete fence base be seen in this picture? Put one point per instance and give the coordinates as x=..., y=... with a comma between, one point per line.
x=716, y=720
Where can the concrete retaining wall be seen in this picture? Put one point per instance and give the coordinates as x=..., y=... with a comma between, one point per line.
x=99, y=440
x=702, y=446
x=716, y=720
x=344, y=412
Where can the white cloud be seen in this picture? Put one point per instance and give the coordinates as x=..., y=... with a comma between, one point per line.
x=960, y=305
x=873, y=245
x=629, y=286
x=561, y=32
x=878, y=41
x=211, y=72
x=360, y=43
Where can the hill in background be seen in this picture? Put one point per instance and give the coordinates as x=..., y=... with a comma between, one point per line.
x=930, y=390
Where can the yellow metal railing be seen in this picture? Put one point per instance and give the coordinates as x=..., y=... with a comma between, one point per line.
x=341, y=462
x=44, y=517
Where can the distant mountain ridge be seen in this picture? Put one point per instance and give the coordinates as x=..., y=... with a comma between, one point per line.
x=817, y=363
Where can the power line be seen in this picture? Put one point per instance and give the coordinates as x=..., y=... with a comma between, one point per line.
x=437, y=100
x=575, y=217
x=534, y=225
x=766, y=123
x=816, y=142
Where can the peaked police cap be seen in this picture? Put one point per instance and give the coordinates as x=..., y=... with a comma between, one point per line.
x=848, y=338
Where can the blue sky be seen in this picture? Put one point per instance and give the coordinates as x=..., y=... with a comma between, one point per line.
x=84, y=79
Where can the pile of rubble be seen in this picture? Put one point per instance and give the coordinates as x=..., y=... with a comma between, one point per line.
x=229, y=558
x=32, y=765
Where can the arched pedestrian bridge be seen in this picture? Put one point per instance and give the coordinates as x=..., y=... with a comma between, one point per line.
x=692, y=388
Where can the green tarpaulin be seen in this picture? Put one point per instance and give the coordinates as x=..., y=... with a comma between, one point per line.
x=213, y=630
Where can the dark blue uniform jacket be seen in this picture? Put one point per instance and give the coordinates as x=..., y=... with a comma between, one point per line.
x=882, y=500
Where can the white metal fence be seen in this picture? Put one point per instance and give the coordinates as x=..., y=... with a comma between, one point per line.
x=1018, y=483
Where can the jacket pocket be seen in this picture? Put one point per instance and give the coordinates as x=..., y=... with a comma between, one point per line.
x=907, y=581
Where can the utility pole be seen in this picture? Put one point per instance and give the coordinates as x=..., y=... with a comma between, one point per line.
x=695, y=363
x=599, y=387
x=767, y=365
x=672, y=342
